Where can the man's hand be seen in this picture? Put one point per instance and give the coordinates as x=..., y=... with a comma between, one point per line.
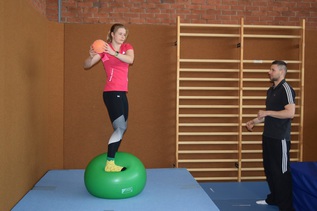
x=249, y=125
x=262, y=114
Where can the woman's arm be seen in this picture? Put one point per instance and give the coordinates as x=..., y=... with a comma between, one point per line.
x=128, y=57
x=92, y=59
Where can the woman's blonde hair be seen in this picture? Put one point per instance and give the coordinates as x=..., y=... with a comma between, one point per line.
x=114, y=28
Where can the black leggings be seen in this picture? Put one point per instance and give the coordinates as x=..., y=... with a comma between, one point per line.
x=118, y=109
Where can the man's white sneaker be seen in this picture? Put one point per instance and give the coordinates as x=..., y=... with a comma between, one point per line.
x=261, y=202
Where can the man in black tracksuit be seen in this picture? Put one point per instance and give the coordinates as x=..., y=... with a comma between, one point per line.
x=280, y=109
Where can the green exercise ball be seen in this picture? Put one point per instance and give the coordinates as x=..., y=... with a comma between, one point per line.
x=115, y=185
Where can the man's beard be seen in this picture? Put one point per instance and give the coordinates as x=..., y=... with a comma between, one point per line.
x=273, y=79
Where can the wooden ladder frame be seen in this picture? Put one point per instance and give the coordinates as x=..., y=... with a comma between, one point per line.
x=241, y=80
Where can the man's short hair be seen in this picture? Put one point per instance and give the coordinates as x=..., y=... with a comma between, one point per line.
x=281, y=64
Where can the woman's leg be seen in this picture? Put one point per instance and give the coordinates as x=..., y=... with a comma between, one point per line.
x=117, y=106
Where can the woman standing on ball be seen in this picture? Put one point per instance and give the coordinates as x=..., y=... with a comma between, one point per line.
x=116, y=58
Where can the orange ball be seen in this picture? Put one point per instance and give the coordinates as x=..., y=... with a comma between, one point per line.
x=99, y=46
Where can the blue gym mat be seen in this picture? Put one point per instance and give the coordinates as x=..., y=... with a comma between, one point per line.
x=229, y=196
x=165, y=190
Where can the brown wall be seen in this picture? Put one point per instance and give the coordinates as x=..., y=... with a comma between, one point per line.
x=310, y=120
x=152, y=85
x=36, y=136
x=31, y=105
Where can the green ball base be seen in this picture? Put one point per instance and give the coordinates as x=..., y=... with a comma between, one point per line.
x=115, y=185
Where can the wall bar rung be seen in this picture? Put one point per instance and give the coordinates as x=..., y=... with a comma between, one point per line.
x=252, y=160
x=251, y=151
x=270, y=61
x=208, y=106
x=260, y=142
x=208, y=79
x=253, y=178
x=208, y=115
x=207, y=35
x=265, y=79
x=210, y=60
x=252, y=169
x=272, y=27
x=207, y=160
x=254, y=88
x=251, y=142
x=209, y=70
x=252, y=134
x=209, y=97
x=207, y=151
x=266, y=70
x=208, y=88
x=260, y=124
x=211, y=169
x=272, y=36
x=215, y=178
x=254, y=97
x=208, y=133
x=254, y=115
x=263, y=88
x=210, y=25
x=206, y=142
x=208, y=124
x=253, y=106
x=256, y=133
x=295, y=159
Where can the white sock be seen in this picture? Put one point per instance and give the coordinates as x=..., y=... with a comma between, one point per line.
x=261, y=202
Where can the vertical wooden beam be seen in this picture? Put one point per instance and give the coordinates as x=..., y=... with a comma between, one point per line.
x=240, y=98
x=177, y=89
x=302, y=66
